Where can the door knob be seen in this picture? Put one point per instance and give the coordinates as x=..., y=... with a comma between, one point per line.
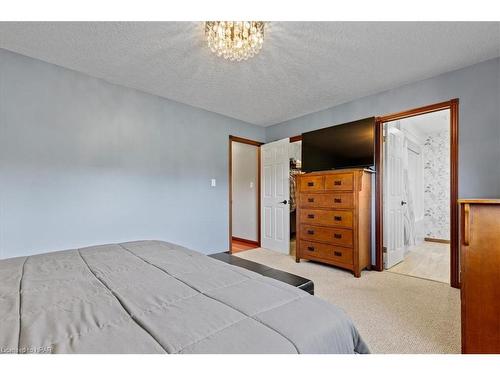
x=403, y=203
x=284, y=202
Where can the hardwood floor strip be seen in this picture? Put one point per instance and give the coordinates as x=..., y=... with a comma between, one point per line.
x=237, y=246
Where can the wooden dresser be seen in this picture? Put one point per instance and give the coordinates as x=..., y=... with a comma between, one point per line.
x=334, y=218
x=480, y=275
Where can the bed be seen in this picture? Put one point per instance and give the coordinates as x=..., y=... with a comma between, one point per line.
x=158, y=297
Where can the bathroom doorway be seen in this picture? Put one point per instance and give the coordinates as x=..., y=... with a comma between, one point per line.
x=417, y=196
x=416, y=213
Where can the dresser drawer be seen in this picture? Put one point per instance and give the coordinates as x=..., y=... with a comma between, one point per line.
x=335, y=236
x=311, y=183
x=339, y=182
x=323, y=251
x=326, y=217
x=332, y=200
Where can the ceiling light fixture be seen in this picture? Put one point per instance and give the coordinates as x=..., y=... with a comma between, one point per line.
x=235, y=40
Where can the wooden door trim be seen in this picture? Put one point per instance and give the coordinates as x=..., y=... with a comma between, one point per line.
x=257, y=144
x=452, y=105
x=245, y=140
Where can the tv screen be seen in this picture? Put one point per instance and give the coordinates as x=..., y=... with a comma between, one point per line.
x=342, y=146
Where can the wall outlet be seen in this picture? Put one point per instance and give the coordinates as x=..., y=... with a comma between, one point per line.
x=213, y=182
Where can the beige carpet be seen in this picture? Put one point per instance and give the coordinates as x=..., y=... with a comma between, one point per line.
x=394, y=313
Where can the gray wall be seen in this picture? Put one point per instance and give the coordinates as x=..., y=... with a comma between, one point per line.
x=477, y=87
x=86, y=162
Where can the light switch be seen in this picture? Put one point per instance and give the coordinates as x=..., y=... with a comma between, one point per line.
x=251, y=185
x=214, y=183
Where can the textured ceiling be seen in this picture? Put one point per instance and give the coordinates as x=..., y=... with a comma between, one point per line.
x=303, y=67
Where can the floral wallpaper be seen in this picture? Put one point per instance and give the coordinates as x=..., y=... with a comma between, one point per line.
x=436, y=154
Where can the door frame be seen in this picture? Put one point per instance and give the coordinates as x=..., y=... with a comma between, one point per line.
x=232, y=139
x=452, y=105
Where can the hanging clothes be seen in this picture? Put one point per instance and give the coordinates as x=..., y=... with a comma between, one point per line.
x=293, y=188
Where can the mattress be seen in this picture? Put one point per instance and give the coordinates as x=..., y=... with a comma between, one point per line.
x=158, y=297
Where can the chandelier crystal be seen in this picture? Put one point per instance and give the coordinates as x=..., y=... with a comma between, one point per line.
x=235, y=40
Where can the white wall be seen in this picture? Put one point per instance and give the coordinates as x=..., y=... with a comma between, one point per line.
x=245, y=191
x=295, y=150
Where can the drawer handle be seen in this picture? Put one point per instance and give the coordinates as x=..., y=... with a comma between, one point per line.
x=310, y=248
x=466, y=224
x=311, y=200
x=337, y=218
x=337, y=200
x=338, y=182
x=337, y=253
x=310, y=184
x=310, y=231
x=310, y=216
x=337, y=235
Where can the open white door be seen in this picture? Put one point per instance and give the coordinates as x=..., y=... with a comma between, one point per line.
x=393, y=196
x=275, y=195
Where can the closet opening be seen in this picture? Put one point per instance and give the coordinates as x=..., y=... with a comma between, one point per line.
x=417, y=193
x=295, y=156
x=244, y=194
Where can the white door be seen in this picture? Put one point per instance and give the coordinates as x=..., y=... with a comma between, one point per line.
x=275, y=196
x=393, y=196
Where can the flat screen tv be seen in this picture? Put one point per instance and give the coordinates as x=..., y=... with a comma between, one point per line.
x=347, y=145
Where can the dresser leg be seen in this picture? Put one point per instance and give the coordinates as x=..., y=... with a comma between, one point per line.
x=297, y=260
x=357, y=273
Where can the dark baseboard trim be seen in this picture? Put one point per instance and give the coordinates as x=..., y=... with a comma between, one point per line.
x=429, y=239
x=256, y=243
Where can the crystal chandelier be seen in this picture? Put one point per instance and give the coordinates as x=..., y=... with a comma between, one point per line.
x=235, y=40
